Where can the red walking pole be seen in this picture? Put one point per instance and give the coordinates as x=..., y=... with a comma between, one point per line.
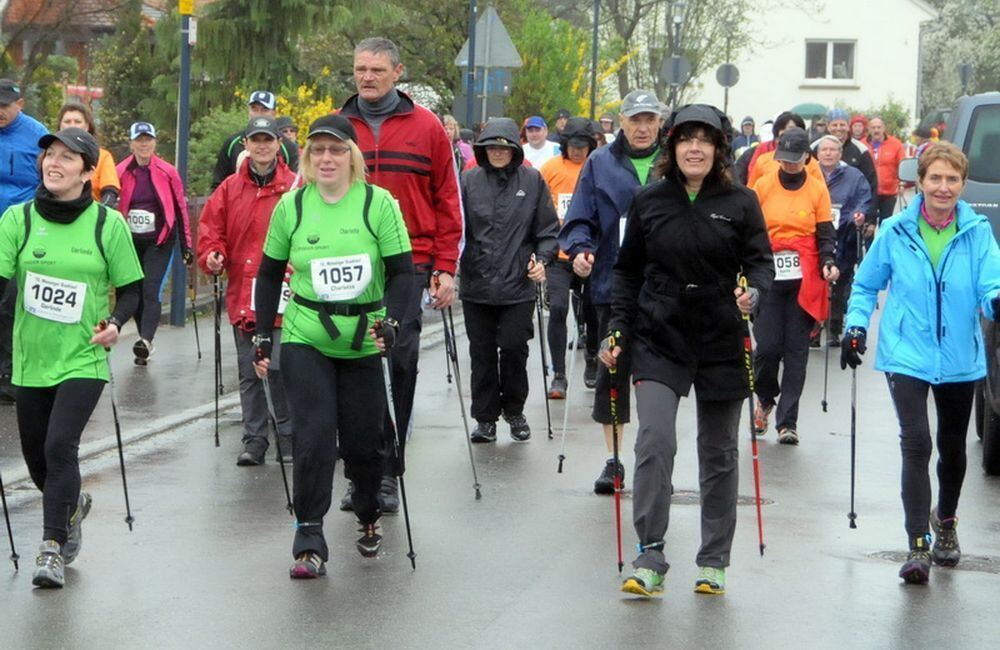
x=748, y=362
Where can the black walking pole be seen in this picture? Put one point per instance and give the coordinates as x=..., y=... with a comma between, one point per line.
x=545, y=362
x=852, y=516
x=118, y=436
x=748, y=364
x=613, y=371
x=452, y=350
x=391, y=405
x=277, y=441
x=14, y=557
x=569, y=382
x=217, y=389
x=194, y=316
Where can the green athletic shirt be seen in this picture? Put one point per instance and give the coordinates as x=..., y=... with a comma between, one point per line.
x=643, y=165
x=330, y=249
x=936, y=240
x=67, y=294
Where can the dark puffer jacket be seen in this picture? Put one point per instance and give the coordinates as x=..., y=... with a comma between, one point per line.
x=509, y=216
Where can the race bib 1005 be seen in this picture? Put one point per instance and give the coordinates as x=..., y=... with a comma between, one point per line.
x=787, y=266
x=336, y=279
x=54, y=299
x=141, y=222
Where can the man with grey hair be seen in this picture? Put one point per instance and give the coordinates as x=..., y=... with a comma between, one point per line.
x=409, y=154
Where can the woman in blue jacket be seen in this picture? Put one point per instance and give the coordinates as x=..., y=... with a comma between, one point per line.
x=943, y=265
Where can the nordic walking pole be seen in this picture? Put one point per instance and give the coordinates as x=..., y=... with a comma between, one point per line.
x=217, y=389
x=447, y=347
x=826, y=354
x=613, y=371
x=452, y=350
x=748, y=362
x=545, y=362
x=391, y=405
x=118, y=435
x=14, y=557
x=569, y=381
x=852, y=516
x=194, y=316
x=277, y=441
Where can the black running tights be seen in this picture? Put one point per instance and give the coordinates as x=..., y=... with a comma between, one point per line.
x=50, y=421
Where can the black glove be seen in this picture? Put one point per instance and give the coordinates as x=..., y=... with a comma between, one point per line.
x=188, y=257
x=615, y=337
x=387, y=330
x=262, y=347
x=852, y=347
x=996, y=308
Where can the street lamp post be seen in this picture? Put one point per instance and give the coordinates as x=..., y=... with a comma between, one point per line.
x=677, y=9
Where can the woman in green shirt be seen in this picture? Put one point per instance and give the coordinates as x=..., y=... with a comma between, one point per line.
x=65, y=252
x=348, y=246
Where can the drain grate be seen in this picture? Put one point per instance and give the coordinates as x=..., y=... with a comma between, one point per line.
x=980, y=563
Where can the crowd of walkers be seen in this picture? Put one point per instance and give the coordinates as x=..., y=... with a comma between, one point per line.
x=663, y=238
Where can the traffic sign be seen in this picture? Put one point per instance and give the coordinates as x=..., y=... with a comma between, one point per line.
x=675, y=71
x=727, y=75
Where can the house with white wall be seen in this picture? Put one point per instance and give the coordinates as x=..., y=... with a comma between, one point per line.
x=853, y=52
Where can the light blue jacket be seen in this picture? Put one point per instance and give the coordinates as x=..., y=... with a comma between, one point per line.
x=930, y=323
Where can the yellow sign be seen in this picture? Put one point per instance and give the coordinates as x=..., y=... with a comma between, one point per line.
x=186, y=7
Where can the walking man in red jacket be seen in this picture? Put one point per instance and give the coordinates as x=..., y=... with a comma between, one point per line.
x=409, y=154
x=887, y=152
x=231, y=236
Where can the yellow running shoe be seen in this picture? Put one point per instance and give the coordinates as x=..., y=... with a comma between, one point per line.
x=711, y=580
x=644, y=582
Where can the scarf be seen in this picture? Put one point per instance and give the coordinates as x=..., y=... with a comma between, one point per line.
x=62, y=211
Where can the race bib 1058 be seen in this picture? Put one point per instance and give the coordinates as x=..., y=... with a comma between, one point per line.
x=787, y=266
x=54, y=299
x=336, y=279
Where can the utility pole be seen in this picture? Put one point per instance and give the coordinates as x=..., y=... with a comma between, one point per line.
x=593, y=63
x=470, y=71
x=178, y=273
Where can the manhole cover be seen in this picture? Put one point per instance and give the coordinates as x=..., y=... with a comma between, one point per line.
x=693, y=498
x=981, y=563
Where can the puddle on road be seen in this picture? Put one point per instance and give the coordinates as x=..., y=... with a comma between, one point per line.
x=980, y=563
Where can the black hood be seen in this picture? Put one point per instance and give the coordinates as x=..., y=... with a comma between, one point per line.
x=501, y=131
x=577, y=127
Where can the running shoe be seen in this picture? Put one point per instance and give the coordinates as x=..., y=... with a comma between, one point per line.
x=917, y=568
x=143, y=350
x=605, y=483
x=484, y=432
x=370, y=541
x=788, y=436
x=388, y=495
x=307, y=565
x=74, y=539
x=946, y=551
x=644, y=582
x=761, y=414
x=49, y=566
x=519, y=429
x=558, y=387
x=711, y=580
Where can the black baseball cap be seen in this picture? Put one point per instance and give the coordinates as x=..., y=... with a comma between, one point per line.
x=701, y=113
x=262, y=124
x=285, y=122
x=336, y=125
x=563, y=113
x=264, y=98
x=10, y=91
x=793, y=145
x=76, y=139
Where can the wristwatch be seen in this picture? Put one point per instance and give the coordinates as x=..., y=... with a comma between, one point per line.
x=257, y=339
x=393, y=323
x=111, y=320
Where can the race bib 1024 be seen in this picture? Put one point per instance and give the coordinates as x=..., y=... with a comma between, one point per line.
x=141, y=222
x=336, y=279
x=54, y=299
x=787, y=265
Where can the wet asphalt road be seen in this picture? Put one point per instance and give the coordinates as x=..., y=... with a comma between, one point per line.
x=531, y=564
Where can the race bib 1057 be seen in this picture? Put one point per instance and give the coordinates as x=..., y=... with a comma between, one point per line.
x=336, y=279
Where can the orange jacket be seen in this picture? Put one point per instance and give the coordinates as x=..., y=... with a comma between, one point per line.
x=105, y=175
x=886, y=158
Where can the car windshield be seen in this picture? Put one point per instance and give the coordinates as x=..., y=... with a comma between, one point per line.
x=983, y=144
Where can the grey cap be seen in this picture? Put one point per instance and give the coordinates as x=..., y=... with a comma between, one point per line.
x=10, y=92
x=262, y=124
x=701, y=113
x=640, y=101
x=793, y=145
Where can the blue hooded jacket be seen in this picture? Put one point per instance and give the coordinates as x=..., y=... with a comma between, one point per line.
x=19, y=160
x=930, y=325
x=595, y=218
x=849, y=189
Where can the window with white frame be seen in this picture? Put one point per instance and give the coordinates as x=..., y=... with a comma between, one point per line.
x=830, y=60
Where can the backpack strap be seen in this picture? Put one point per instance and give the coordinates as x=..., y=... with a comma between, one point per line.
x=102, y=216
x=368, y=204
x=298, y=211
x=27, y=227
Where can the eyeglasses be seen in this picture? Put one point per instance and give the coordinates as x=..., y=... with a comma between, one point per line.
x=335, y=150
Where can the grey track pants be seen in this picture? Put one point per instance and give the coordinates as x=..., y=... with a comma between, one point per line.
x=718, y=456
